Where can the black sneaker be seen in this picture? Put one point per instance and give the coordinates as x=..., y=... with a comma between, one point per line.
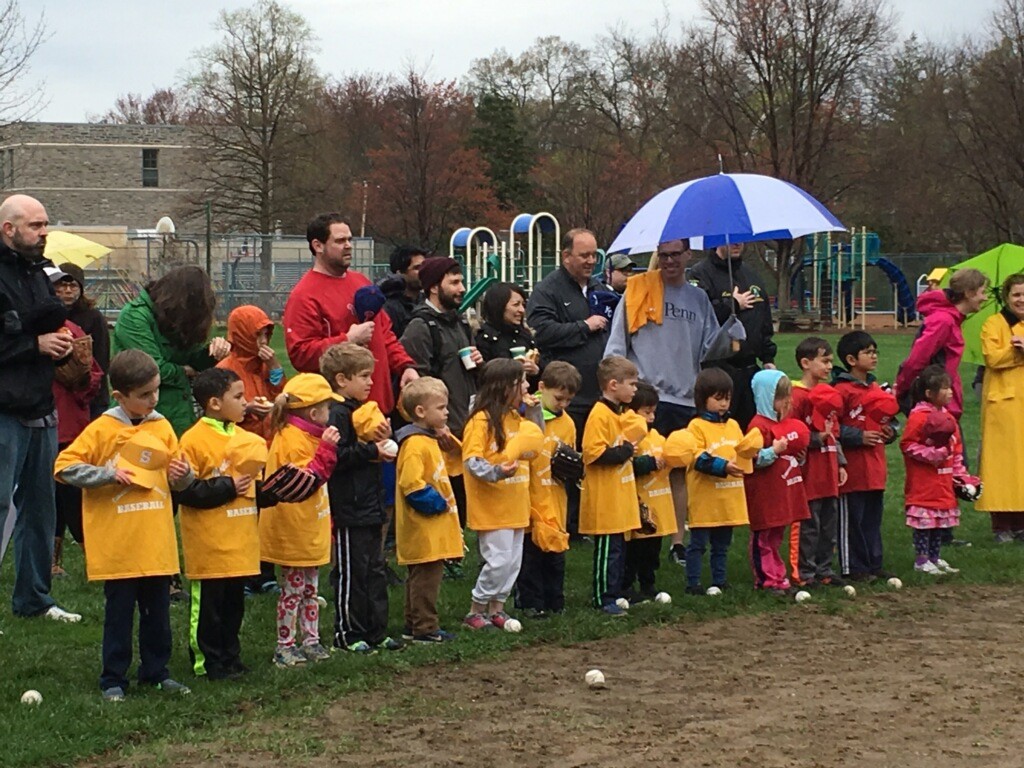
x=724, y=585
x=433, y=638
x=407, y=634
x=834, y=581
x=534, y=613
x=867, y=578
x=390, y=644
x=695, y=590
x=678, y=554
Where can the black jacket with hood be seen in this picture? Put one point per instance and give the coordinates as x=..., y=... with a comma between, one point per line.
x=356, y=487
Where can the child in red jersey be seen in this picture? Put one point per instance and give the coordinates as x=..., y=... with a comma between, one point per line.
x=866, y=426
x=813, y=541
x=933, y=454
x=775, y=491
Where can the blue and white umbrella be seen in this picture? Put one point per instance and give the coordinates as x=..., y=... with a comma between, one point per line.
x=725, y=208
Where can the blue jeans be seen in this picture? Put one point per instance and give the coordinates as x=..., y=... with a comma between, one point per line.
x=720, y=538
x=27, y=455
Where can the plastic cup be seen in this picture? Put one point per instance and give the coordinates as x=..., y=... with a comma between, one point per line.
x=517, y=352
x=465, y=355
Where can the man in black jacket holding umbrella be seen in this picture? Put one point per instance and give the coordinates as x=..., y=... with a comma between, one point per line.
x=733, y=286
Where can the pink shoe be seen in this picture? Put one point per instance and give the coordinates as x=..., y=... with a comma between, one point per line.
x=477, y=621
x=499, y=619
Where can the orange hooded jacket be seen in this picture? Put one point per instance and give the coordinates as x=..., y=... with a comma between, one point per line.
x=244, y=324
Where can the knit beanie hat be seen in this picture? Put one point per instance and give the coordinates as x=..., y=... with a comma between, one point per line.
x=433, y=270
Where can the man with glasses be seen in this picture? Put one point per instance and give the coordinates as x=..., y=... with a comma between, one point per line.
x=668, y=339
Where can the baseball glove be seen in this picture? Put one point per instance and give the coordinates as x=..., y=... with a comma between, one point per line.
x=73, y=372
x=647, y=525
x=566, y=464
x=288, y=484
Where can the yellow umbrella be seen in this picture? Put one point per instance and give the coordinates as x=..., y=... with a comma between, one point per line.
x=64, y=248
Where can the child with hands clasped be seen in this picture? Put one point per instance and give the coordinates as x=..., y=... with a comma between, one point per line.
x=219, y=528
x=714, y=484
x=775, y=491
x=933, y=454
x=125, y=462
x=818, y=405
x=427, y=530
x=356, y=493
x=496, y=446
x=297, y=535
x=608, y=501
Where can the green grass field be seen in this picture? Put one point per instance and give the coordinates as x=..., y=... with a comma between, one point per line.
x=62, y=661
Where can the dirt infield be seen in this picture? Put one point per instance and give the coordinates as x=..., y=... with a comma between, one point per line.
x=919, y=678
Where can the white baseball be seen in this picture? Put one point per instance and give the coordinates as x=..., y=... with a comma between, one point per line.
x=802, y=596
x=594, y=678
x=713, y=592
x=321, y=601
x=895, y=583
x=663, y=597
x=513, y=625
x=32, y=697
x=850, y=591
x=623, y=603
x=390, y=449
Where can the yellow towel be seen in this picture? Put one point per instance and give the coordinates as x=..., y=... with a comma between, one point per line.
x=645, y=300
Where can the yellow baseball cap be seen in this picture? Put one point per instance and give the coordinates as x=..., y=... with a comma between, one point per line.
x=526, y=443
x=634, y=426
x=146, y=457
x=937, y=274
x=680, y=448
x=366, y=419
x=308, y=389
x=247, y=454
x=747, y=449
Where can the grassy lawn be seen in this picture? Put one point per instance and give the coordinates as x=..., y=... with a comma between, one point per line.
x=62, y=661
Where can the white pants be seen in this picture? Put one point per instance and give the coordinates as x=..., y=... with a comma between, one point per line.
x=502, y=553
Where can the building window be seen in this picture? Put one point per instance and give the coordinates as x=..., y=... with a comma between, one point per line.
x=150, y=174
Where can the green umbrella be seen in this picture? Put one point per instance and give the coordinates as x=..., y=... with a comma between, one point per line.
x=998, y=264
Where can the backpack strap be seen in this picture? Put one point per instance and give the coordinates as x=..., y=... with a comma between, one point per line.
x=436, y=363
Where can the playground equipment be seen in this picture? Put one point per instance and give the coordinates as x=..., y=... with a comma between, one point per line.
x=488, y=258
x=836, y=267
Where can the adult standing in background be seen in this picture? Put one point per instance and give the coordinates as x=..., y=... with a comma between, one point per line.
x=31, y=341
x=402, y=287
x=741, y=293
x=1002, y=414
x=83, y=313
x=620, y=268
x=564, y=328
x=503, y=330
x=668, y=328
x=319, y=312
x=170, y=320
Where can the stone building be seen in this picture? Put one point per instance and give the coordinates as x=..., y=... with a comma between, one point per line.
x=94, y=174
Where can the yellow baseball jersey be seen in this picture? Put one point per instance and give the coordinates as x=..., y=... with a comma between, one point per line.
x=296, y=535
x=654, y=489
x=608, y=501
x=423, y=538
x=223, y=541
x=500, y=505
x=715, y=501
x=130, y=530
x=548, y=498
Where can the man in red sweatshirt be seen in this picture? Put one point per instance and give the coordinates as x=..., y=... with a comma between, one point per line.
x=319, y=312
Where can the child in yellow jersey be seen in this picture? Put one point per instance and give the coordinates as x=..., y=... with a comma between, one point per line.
x=297, y=536
x=540, y=588
x=219, y=530
x=714, y=483
x=126, y=463
x=608, y=501
x=643, y=550
x=497, y=488
x=427, y=530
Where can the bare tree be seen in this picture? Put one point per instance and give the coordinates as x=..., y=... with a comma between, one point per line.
x=19, y=41
x=250, y=94
x=165, y=106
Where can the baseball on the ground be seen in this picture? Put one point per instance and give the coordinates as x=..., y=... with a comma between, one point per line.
x=850, y=591
x=321, y=601
x=895, y=583
x=802, y=596
x=390, y=449
x=513, y=625
x=713, y=592
x=31, y=697
x=594, y=678
x=623, y=603
x=663, y=597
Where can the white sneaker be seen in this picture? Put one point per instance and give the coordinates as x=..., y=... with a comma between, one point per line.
x=946, y=567
x=56, y=613
x=928, y=567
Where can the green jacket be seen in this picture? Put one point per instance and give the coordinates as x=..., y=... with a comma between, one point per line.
x=136, y=329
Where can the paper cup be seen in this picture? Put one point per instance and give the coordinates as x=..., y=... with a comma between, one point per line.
x=467, y=361
x=517, y=352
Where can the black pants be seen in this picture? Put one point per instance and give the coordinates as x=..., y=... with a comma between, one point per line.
x=579, y=417
x=643, y=556
x=218, y=606
x=541, y=582
x=860, y=532
x=360, y=586
x=68, y=500
x=152, y=595
x=609, y=566
x=459, y=492
x=742, y=407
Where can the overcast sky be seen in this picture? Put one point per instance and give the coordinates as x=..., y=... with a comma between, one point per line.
x=99, y=49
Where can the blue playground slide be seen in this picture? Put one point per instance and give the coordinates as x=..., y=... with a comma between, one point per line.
x=905, y=298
